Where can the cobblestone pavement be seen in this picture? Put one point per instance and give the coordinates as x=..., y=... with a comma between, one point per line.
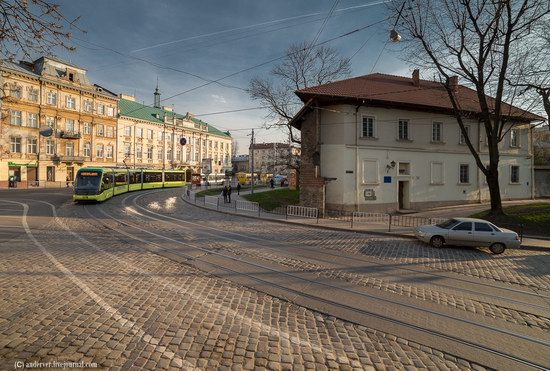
x=74, y=291
x=521, y=267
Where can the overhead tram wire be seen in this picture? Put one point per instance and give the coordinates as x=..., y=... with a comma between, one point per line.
x=157, y=65
x=263, y=64
x=267, y=23
x=255, y=33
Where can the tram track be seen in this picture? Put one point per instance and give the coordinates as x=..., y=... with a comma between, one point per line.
x=223, y=264
x=506, y=292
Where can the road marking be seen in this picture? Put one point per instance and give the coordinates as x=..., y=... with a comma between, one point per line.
x=131, y=325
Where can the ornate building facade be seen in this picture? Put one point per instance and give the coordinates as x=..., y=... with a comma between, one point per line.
x=49, y=93
x=152, y=137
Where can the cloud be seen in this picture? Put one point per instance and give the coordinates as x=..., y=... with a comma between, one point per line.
x=218, y=98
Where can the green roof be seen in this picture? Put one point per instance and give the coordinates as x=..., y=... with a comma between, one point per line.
x=140, y=111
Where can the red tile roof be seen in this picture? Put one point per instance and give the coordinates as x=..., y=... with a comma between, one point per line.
x=397, y=91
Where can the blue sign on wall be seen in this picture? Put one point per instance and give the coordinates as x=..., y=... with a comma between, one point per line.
x=387, y=179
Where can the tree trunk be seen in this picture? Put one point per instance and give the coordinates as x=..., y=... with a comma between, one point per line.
x=494, y=191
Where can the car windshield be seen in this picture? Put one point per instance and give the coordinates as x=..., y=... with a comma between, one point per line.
x=447, y=224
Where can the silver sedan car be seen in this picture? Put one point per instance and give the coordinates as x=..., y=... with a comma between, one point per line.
x=468, y=232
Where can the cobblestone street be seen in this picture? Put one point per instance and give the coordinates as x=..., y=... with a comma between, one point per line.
x=74, y=290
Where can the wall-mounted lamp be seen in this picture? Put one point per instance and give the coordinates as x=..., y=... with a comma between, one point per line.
x=394, y=36
x=390, y=166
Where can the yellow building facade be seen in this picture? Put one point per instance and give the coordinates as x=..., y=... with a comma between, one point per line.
x=53, y=121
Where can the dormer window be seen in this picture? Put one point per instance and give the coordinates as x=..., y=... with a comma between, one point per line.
x=70, y=74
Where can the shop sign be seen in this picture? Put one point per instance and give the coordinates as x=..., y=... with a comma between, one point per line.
x=28, y=164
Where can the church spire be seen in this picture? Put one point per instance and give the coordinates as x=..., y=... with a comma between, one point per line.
x=157, y=96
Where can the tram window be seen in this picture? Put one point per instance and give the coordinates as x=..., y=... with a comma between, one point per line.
x=153, y=177
x=108, y=180
x=121, y=179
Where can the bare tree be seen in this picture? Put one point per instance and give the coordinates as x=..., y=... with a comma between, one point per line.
x=302, y=67
x=35, y=26
x=476, y=41
x=531, y=70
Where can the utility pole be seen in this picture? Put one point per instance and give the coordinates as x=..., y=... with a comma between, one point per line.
x=252, y=164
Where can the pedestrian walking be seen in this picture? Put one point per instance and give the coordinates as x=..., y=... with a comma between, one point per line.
x=224, y=192
x=68, y=181
x=229, y=194
x=271, y=182
x=238, y=188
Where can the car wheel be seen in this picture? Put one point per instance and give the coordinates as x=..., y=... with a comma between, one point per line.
x=497, y=248
x=437, y=241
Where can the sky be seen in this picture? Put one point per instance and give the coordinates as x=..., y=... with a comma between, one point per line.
x=185, y=45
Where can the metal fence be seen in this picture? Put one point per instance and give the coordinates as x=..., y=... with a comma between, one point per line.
x=355, y=218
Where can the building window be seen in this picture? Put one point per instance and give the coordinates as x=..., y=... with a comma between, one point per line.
x=462, y=139
x=128, y=131
x=160, y=135
x=16, y=118
x=50, y=121
x=367, y=128
x=514, y=138
x=15, y=144
x=370, y=172
x=99, y=150
x=32, y=146
x=169, y=154
x=99, y=130
x=110, y=111
x=32, y=120
x=110, y=132
x=69, y=126
x=436, y=132
x=69, y=149
x=139, y=132
x=514, y=174
x=70, y=102
x=87, y=128
x=87, y=150
x=437, y=176
x=464, y=174
x=127, y=149
x=100, y=109
x=149, y=153
x=51, y=98
x=50, y=147
x=109, y=151
x=149, y=134
x=33, y=95
x=139, y=152
x=87, y=106
x=160, y=153
x=50, y=173
x=404, y=130
x=16, y=91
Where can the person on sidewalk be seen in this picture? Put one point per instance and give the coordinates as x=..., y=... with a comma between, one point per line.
x=224, y=193
x=229, y=194
x=271, y=182
x=238, y=188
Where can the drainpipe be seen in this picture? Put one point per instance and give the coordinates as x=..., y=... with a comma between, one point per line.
x=357, y=157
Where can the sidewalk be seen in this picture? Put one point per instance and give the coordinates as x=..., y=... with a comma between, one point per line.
x=529, y=242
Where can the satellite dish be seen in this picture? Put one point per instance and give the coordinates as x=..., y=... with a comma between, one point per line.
x=46, y=131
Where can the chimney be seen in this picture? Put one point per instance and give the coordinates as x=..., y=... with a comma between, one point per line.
x=452, y=83
x=416, y=77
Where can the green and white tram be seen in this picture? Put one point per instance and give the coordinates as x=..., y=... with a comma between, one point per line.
x=99, y=184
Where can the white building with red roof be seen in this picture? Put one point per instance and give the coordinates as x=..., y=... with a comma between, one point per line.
x=382, y=143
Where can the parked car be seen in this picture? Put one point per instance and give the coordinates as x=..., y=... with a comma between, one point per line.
x=468, y=232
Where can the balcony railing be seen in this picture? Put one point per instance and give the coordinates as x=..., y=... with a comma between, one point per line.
x=68, y=134
x=79, y=159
